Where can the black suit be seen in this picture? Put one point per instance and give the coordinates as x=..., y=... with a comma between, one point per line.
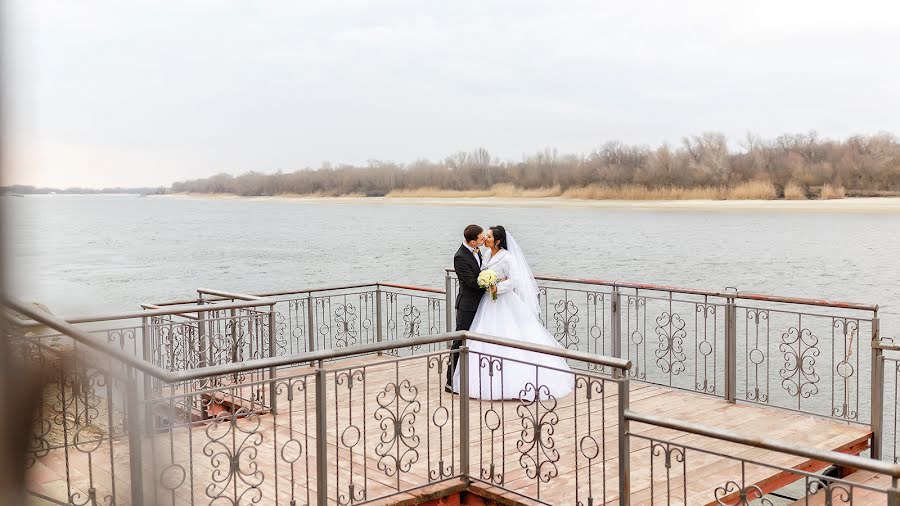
x=467, y=269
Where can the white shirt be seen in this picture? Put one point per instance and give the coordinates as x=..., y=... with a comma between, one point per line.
x=474, y=254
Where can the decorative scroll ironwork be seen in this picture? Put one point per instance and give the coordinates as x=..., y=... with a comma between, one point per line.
x=834, y=492
x=442, y=419
x=596, y=319
x=297, y=321
x=757, y=355
x=748, y=495
x=396, y=412
x=589, y=448
x=799, y=376
x=345, y=319
x=845, y=357
x=670, y=356
x=492, y=420
x=636, y=326
x=232, y=447
x=705, y=348
x=671, y=454
x=351, y=436
x=293, y=450
x=537, y=433
x=565, y=315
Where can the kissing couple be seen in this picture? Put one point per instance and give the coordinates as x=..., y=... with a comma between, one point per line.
x=498, y=296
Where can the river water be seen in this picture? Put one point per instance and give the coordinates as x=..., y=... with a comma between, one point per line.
x=99, y=254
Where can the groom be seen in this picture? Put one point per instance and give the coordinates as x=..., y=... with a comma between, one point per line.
x=467, y=264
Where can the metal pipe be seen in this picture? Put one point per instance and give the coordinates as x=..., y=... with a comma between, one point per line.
x=135, y=456
x=876, y=415
x=273, y=398
x=146, y=351
x=624, y=442
x=730, y=351
x=448, y=300
x=226, y=295
x=837, y=458
x=615, y=323
x=362, y=349
x=310, y=324
x=694, y=291
x=85, y=338
x=413, y=288
x=464, y=434
x=379, y=332
x=155, y=312
x=94, y=343
x=321, y=437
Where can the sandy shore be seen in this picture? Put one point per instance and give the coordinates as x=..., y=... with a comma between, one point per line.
x=848, y=205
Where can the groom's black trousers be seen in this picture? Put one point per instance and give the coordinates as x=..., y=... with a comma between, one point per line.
x=463, y=322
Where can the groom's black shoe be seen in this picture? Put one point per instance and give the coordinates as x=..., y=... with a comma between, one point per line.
x=449, y=389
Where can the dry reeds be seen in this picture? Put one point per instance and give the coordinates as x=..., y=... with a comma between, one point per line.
x=794, y=191
x=830, y=192
x=498, y=190
x=753, y=190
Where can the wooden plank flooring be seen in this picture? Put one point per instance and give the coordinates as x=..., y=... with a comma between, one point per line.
x=275, y=456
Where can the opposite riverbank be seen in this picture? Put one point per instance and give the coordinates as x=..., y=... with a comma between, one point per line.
x=846, y=205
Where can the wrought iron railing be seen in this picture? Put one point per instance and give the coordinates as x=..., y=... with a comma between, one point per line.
x=799, y=354
x=349, y=432
x=184, y=392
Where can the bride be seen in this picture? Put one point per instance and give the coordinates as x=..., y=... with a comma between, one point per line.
x=501, y=372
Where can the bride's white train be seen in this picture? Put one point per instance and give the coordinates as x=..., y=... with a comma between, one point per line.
x=501, y=372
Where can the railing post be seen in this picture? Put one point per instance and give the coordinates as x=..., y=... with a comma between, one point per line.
x=615, y=323
x=135, y=454
x=321, y=437
x=624, y=443
x=730, y=350
x=273, y=398
x=448, y=300
x=877, y=391
x=463, y=411
x=147, y=352
x=379, y=333
x=893, y=493
x=310, y=323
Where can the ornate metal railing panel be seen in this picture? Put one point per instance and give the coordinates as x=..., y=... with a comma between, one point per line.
x=340, y=317
x=79, y=441
x=812, y=360
x=557, y=437
x=798, y=354
x=673, y=464
x=238, y=451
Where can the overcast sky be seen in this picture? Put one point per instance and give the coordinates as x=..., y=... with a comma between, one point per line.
x=107, y=93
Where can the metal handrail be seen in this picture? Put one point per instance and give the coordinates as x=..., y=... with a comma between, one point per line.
x=279, y=293
x=838, y=458
x=227, y=295
x=100, y=345
x=695, y=291
x=155, y=312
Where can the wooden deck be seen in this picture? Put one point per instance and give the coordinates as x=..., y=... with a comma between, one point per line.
x=363, y=446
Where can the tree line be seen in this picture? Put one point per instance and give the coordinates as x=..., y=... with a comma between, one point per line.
x=866, y=163
x=863, y=165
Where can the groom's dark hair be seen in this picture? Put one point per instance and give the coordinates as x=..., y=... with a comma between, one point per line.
x=471, y=232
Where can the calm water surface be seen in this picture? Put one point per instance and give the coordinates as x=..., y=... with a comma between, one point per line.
x=96, y=254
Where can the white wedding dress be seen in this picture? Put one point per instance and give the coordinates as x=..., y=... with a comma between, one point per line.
x=501, y=372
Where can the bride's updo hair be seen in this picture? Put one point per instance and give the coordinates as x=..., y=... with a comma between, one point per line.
x=499, y=236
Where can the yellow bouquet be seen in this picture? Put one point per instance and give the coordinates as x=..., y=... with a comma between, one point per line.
x=487, y=279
